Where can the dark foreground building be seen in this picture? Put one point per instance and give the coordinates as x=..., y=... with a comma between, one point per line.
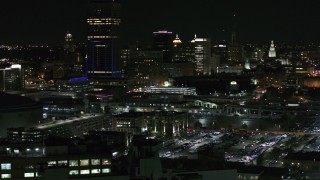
x=17, y=111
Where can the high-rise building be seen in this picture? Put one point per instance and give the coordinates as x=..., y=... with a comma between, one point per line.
x=272, y=51
x=144, y=67
x=235, y=50
x=103, y=48
x=202, y=56
x=178, y=53
x=11, y=77
x=69, y=44
x=182, y=51
x=215, y=62
x=221, y=50
x=162, y=40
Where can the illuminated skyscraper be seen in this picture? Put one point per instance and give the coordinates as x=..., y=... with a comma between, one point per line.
x=103, y=48
x=202, y=56
x=178, y=51
x=272, y=51
x=68, y=44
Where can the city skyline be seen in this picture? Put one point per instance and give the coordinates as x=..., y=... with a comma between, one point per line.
x=257, y=22
x=161, y=90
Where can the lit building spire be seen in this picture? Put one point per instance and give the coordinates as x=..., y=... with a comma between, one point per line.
x=68, y=44
x=176, y=41
x=272, y=50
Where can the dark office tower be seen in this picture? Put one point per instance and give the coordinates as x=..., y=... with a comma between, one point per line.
x=162, y=40
x=235, y=51
x=103, y=48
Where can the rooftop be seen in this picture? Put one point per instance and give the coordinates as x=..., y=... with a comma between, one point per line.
x=11, y=102
x=67, y=121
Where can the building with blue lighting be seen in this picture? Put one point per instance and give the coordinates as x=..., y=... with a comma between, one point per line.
x=103, y=35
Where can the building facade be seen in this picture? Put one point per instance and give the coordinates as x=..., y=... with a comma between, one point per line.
x=144, y=67
x=11, y=77
x=162, y=41
x=103, y=46
x=202, y=54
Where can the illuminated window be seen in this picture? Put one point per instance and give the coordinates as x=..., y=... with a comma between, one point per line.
x=5, y=176
x=52, y=163
x=95, y=162
x=84, y=162
x=85, y=171
x=106, y=170
x=73, y=163
x=62, y=163
x=73, y=172
x=30, y=174
x=6, y=166
x=105, y=162
x=95, y=171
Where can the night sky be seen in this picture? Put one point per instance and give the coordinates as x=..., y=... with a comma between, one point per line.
x=46, y=21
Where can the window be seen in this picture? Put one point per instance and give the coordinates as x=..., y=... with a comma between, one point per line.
x=95, y=171
x=105, y=162
x=5, y=166
x=95, y=162
x=73, y=163
x=30, y=174
x=5, y=176
x=62, y=163
x=29, y=167
x=52, y=163
x=84, y=162
x=106, y=170
x=85, y=171
x=73, y=172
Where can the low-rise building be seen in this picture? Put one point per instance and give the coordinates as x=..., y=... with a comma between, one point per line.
x=55, y=159
x=75, y=126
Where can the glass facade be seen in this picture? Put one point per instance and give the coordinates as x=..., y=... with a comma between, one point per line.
x=29, y=174
x=103, y=49
x=95, y=171
x=62, y=163
x=106, y=162
x=73, y=172
x=84, y=162
x=52, y=163
x=85, y=171
x=6, y=166
x=106, y=170
x=73, y=163
x=5, y=176
x=95, y=162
